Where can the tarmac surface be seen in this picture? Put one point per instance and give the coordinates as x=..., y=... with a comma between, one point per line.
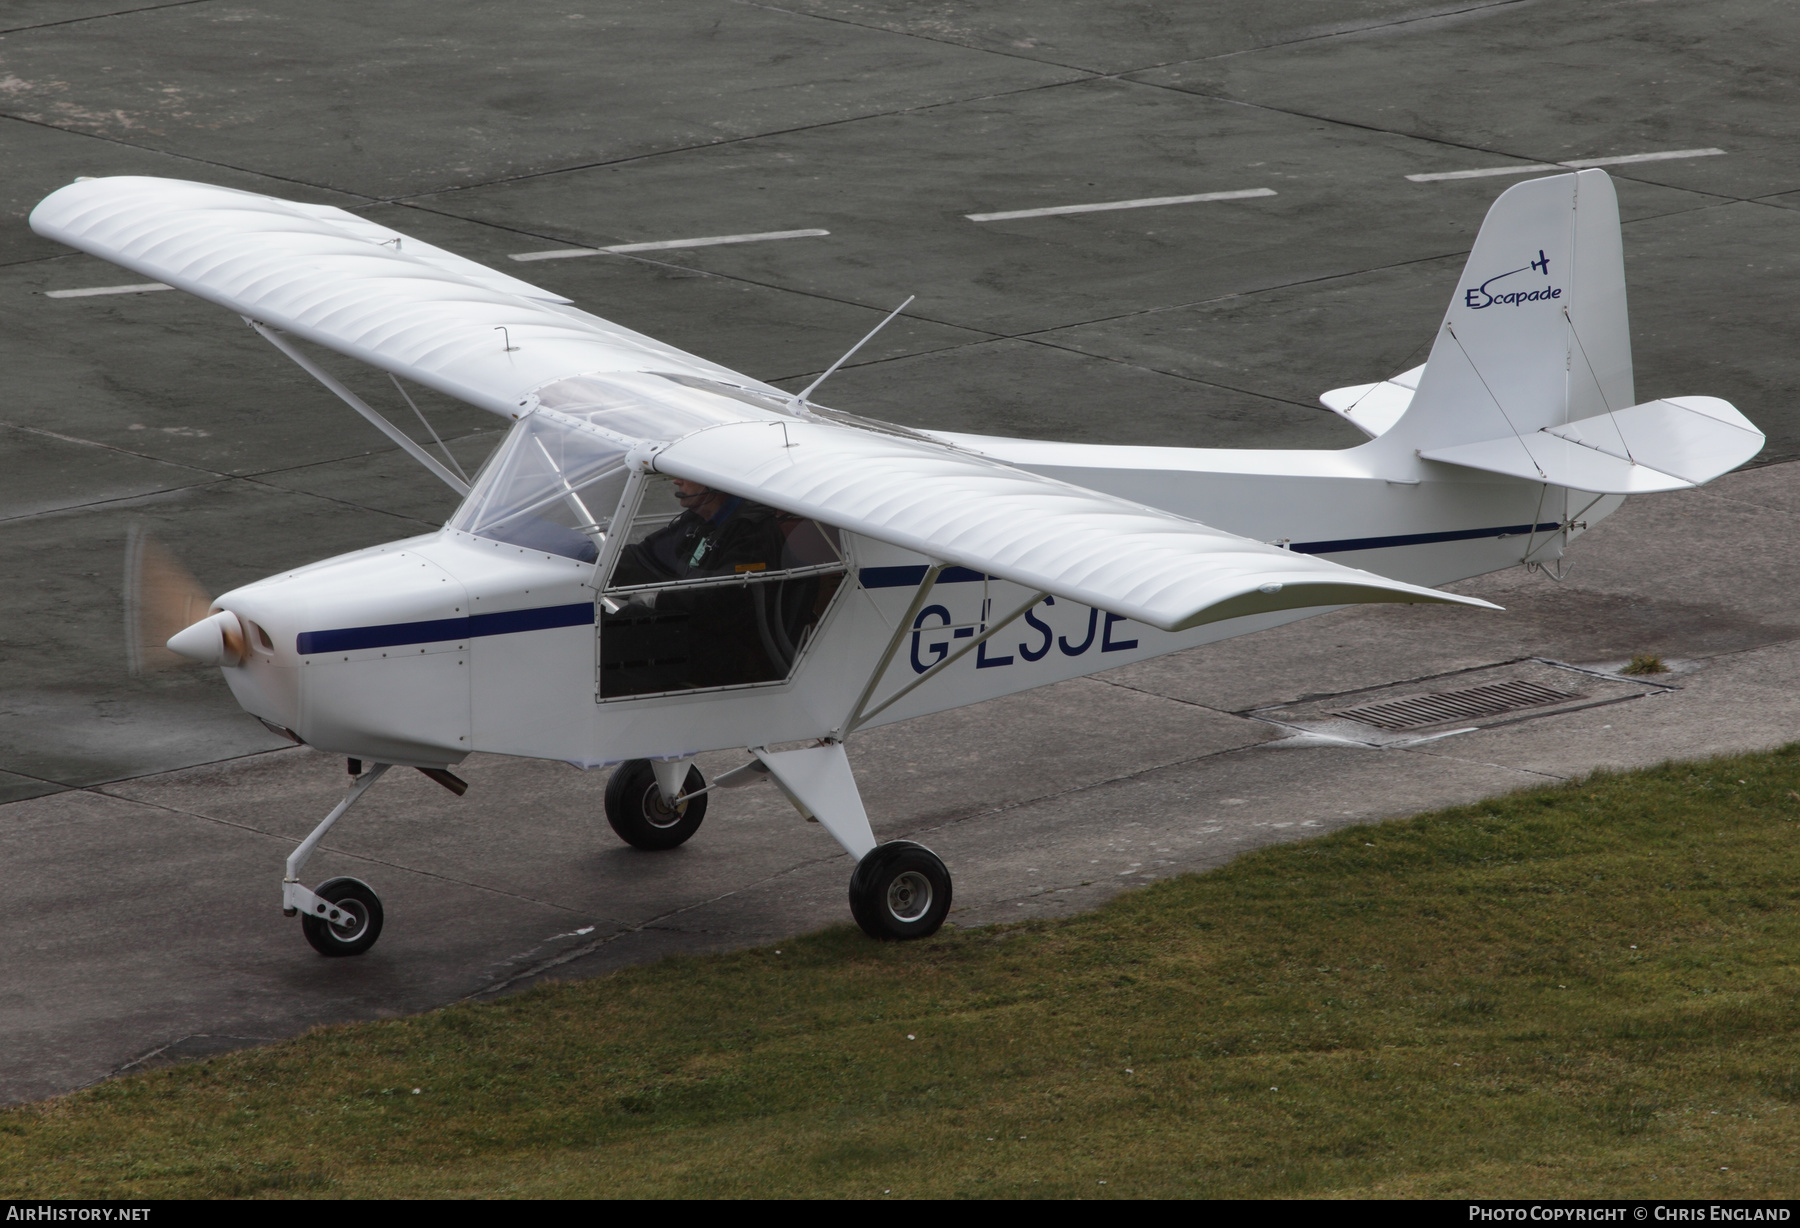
x=496, y=130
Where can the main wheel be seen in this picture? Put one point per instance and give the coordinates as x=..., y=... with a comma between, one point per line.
x=900, y=890
x=361, y=924
x=637, y=811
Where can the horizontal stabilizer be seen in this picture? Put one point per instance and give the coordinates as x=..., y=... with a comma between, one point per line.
x=1373, y=408
x=1158, y=568
x=1669, y=444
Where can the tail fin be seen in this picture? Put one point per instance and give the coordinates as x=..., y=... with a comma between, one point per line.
x=1537, y=334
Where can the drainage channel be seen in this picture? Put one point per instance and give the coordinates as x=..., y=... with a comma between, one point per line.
x=1403, y=713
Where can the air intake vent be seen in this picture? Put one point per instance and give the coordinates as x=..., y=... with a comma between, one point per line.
x=1447, y=706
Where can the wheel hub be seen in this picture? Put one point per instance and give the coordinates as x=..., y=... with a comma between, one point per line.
x=657, y=812
x=909, y=896
x=356, y=917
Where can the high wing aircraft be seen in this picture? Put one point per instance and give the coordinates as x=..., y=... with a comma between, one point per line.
x=664, y=557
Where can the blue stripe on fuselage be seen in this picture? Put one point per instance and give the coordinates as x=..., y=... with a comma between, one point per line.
x=1418, y=539
x=392, y=635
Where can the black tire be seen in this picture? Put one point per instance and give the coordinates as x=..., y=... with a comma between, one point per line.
x=363, y=926
x=636, y=810
x=900, y=890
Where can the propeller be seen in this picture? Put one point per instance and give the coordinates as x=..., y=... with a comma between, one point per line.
x=164, y=603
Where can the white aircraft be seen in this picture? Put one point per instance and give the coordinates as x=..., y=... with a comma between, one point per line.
x=665, y=557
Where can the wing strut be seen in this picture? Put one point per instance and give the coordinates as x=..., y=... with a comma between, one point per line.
x=861, y=714
x=994, y=629
x=901, y=630
x=355, y=402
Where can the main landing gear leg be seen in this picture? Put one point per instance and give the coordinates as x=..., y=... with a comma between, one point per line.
x=899, y=889
x=343, y=917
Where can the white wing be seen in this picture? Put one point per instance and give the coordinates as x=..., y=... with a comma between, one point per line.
x=1048, y=535
x=415, y=310
x=352, y=286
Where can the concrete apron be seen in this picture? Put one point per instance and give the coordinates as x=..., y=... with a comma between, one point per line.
x=1042, y=804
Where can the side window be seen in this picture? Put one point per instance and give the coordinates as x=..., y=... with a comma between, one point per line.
x=712, y=591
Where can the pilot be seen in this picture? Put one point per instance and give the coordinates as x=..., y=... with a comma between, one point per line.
x=705, y=637
x=716, y=534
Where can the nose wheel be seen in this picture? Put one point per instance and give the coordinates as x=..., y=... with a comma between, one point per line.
x=900, y=890
x=357, y=912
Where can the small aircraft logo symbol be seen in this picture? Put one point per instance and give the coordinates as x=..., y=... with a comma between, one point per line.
x=1481, y=297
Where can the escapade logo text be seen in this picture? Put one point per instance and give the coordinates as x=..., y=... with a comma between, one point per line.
x=1481, y=297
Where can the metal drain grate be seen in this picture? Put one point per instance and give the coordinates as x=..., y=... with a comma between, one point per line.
x=1477, y=701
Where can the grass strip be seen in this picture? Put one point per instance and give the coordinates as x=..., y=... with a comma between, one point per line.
x=1583, y=990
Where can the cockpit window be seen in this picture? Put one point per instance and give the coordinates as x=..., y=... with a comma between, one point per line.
x=724, y=592
x=547, y=487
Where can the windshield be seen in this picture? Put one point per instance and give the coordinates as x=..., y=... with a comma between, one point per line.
x=547, y=487
x=554, y=486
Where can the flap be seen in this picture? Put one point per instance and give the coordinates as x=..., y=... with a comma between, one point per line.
x=1673, y=443
x=1149, y=565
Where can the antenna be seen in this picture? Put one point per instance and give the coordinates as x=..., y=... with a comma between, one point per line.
x=799, y=398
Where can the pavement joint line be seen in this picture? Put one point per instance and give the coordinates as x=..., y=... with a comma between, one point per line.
x=110, y=447
x=984, y=334
x=839, y=19
x=71, y=21
x=100, y=786
x=101, y=503
x=342, y=502
x=620, y=249
x=1174, y=699
x=1667, y=155
x=1102, y=74
x=1142, y=202
x=1345, y=33
x=1722, y=497
x=220, y=479
x=726, y=142
x=655, y=922
x=71, y=253
x=1072, y=790
x=1037, y=336
x=1499, y=767
x=1363, y=126
x=255, y=478
x=161, y=1049
x=182, y=157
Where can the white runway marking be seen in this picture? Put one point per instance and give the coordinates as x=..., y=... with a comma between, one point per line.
x=1573, y=164
x=146, y=288
x=570, y=253
x=1146, y=202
